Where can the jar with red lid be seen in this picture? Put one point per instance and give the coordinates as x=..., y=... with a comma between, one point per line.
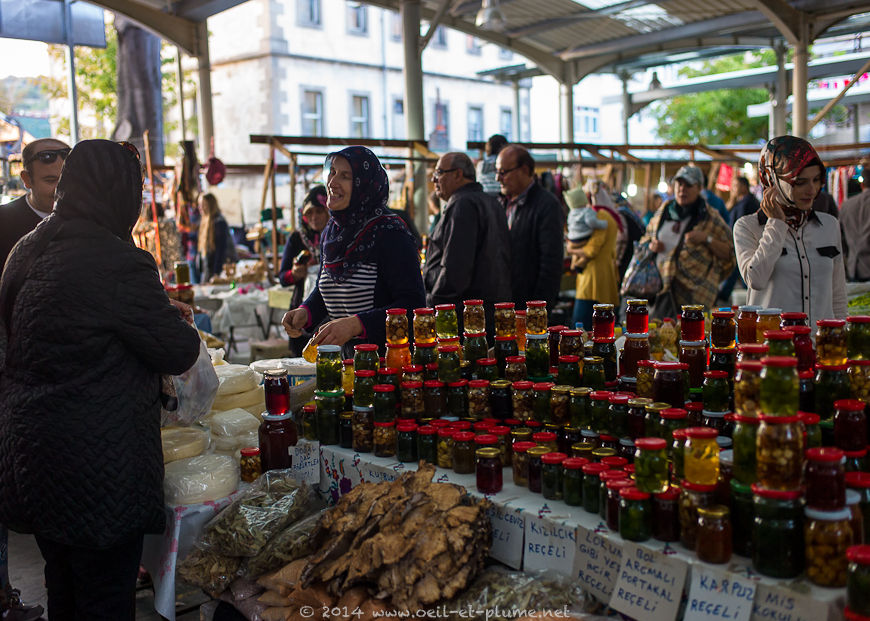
x=618, y=416
x=651, y=465
x=652, y=418
x=551, y=475
x=677, y=452
x=804, y=350
x=858, y=337
x=424, y=325
x=747, y=388
x=858, y=582
x=713, y=542
x=463, y=452
x=554, y=335
x=859, y=379
x=249, y=464
x=571, y=343
x=488, y=470
x=520, y=463
x=569, y=371
x=276, y=387
x=614, y=462
x=751, y=351
x=546, y=439
x=825, y=477
x=448, y=363
x=715, y=391
x=768, y=319
x=364, y=388
x=668, y=384
x=694, y=353
x=515, y=369
x=612, y=487
x=542, y=401
x=860, y=482
x=746, y=319
x=599, y=409
x=536, y=317
x=505, y=319
x=412, y=400
x=536, y=466
x=831, y=385
x=701, y=456
x=474, y=348
x=723, y=329
x=850, y=424
x=635, y=349
x=424, y=354
x=523, y=400
x=277, y=433
x=605, y=348
x=636, y=316
x=665, y=515
x=745, y=439
x=473, y=319
x=779, y=385
x=777, y=532
x=478, y=399
x=446, y=321
x=397, y=326
x=634, y=424
x=603, y=321
x=671, y=419
x=537, y=355
x=780, y=452
x=692, y=322
x=434, y=398
x=812, y=429
x=645, y=374
x=793, y=318
x=389, y=375
x=831, y=342
x=635, y=514
x=398, y=356
x=591, y=484
x=779, y=342
x=692, y=498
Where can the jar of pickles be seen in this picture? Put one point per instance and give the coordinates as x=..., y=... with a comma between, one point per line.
x=645, y=373
x=571, y=343
x=777, y=533
x=779, y=385
x=746, y=320
x=605, y=348
x=308, y=422
x=591, y=483
x=858, y=337
x=523, y=400
x=542, y=401
x=779, y=452
x=329, y=405
x=487, y=369
x=747, y=388
x=850, y=424
x=636, y=316
x=568, y=371
x=635, y=349
x=551, y=475
x=328, y=368
x=652, y=418
x=701, y=456
x=668, y=384
x=362, y=429
x=635, y=514
x=249, y=463
x=692, y=498
x=671, y=419
x=858, y=580
x=389, y=375
x=475, y=347
x=723, y=329
x=831, y=384
x=384, y=439
x=398, y=356
x=828, y=535
x=713, y=543
x=457, y=398
x=406, y=442
x=537, y=355
x=603, y=321
x=651, y=465
x=424, y=353
x=448, y=363
x=578, y=407
x=593, y=372
x=385, y=403
x=618, y=416
x=536, y=317
x=505, y=319
x=599, y=409
x=715, y=391
x=831, y=341
x=424, y=325
x=412, y=373
x=768, y=319
x=397, y=326
x=692, y=322
x=478, y=399
x=572, y=481
x=744, y=437
x=694, y=353
x=446, y=322
x=363, y=388
x=779, y=342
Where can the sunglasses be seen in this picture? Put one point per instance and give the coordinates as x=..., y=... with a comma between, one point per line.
x=49, y=155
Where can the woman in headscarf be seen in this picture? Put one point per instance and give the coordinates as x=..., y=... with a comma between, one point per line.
x=369, y=261
x=790, y=255
x=213, y=237
x=86, y=330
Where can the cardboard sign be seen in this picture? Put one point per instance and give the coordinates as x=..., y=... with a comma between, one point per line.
x=596, y=562
x=305, y=457
x=508, y=527
x=650, y=584
x=548, y=545
x=717, y=594
x=775, y=603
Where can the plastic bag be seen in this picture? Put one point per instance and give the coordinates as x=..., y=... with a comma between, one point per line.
x=200, y=479
x=233, y=422
x=195, y=390
x=236, y=378
x=292, y=543
x=209, y=570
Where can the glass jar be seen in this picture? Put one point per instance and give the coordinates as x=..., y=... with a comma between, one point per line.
x=328, y=368
x=645, y=373
x=636, y=316
x=634, y=423
x=535, y=469
x=804, y=350
x=478, y=399
x=593, y=372
x=858, y=337
x=792, y=318
x=473, y=319
x=396, y=326
x=559, y=405
x=777, y=533
x=812, y=430
x=635, y=514
x=523, y=400
x=384, y=439
x=779, y=385
x=859, y=379
x=475, y=347
x=457, y=398
x=599, y=409
x=406, y=442
x=722, y=359
x=572, y=481
x=612, y=483
x=677, y=452
x=701, y=456
x=424, y=353
x=651, y=465
x=412, y=400
x=330, y=405
x=859, y=482
x=713, y=542
x=715, y=391
x=751, y=351
x=832, y=384
x=427, y=444
x=671, y=419
x=635, y=349
x=554, y=334
x=858, y=580
x=806, y=391
x=362, y=429
x=578, y=407
x=546, y=439
x=389, y=375
x=692, y=322
x=347, y=377
x=551, y=475
x=828, y=535
x=779, y=452
x=536, y=317
x=488, y=470
x=434, y=399
x=463, y=452
x=398, y=356
x=250, y=466
x=568, y=373
x=692, y=498
x=520, y=329
x=448, y=363
x=746, y=319
x=537, y=355
x=744, y=437
x=424, y=325
x=850, y=424
x=276, y=434
x=505, y=319
x=486, y=369
x=605, y=348
x=652, y=419
x=446, y=323
x=515, y=369
x=668, y=384
x=825, y=477
x=695, y=411
x=571, y=343
x=723, y=329
x=583, y=448
x=276, y=388
x=591, y=482
x=603, y=321
x=831, y=341
x=856, y=461
x=506, y=347
x=364, y=388
x=500, y=401
x=308, y=422
x=747, y=388
x=445, y=447
x=503, y=443
x=542, y=401
x=694, y=353
x=520, y=462
x=665, y=515
x=385, y=403
x=768, y=319
x=618, y=416
x=779, y=343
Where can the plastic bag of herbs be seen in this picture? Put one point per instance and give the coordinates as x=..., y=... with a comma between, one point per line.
x=292, y=543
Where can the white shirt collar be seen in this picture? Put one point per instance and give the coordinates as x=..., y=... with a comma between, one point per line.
x=41, y=214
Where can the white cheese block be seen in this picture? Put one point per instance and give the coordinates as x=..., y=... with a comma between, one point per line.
x=240, y=400
x=236, y=378
x=233, y=422
x=182, y=442
x=200, y=479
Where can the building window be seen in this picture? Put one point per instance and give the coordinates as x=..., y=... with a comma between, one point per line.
x=359, y=116
x=312, y=113
x=308, y=12
x=472, y=45
x=357, y=18
x=586, y=122
x=396, y=26
x=440, y=138
x=439, y=39
x=506, y=122
x=505, y=54
x=475, y=123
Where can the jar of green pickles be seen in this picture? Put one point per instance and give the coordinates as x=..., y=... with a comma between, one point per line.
x=486, y=369
x=645, y=374
x=427, y=444
x=505, y=319
x=424, y=353
x=568, y=373
x=779, y=343
x=692, y=498
x=716, y=392
x=536, y=317
x=559, y=405
x=389, y=375
x=364, y=387
x=651, y=465
x=535, y=469
x=537, y=355
x=551, y=475
x=779, y=451
x=831, y=342
x=457, y=398
x=858, y=580
x=599, y=410
x=308, y=422
x=858, y=337
x=328, y=368
x=446, y=321
x=406, y=442
x=605, y=348
x=591, y=483
x=385, y=439
x=652, y=419
x=744, y=437
x=779, y=385
x=618, y=414
x=362, y=428
x=365, y=357
x=593, y=372
x=677, y=453
x=448, y=363
x=747, y=388
x=542, y=401
x=330, y=405
x=572, y=481
x=579, y=407
x=635, y=514
x=478, y=399
x=474, y=348
x=777, y=532
x=671, y=419
x=831, y=384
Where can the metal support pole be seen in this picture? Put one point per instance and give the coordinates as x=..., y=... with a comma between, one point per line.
x=799, y=81
x=181, y=94
x=518, y=123
x=413, y=73
x=206, y=119
x=626, y=105
x=780, y=93
x=71, y=77
x=566, y=92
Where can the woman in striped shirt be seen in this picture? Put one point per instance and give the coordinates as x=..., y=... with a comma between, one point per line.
x=370, y=262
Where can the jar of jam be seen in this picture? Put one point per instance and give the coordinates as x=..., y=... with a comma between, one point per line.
x=463, y=452
x=636, y=316
x=850, y=424
x=634, y=423
x=692, y=498
x=715, y=391
x=396, y=326
x=635, y=349
x=520, y=329
x=768, y=319
x=858, y=337
x=605, y=348
x=488, y=469
x=448, y=363
x=832, y=384
x=665, y=515
x=457, y=398
x=364, y=387
x=652, y=419
x=568, y=371
x=559, y=405
x=506, y=347
x=384, y=439
x=806, y=391
x=694, y=353
x=571, y=343
x=445, y=447
x=831, y=341
x=779, y=386
x=249, y=464
x=713, y=542
x=701, y=456
x=551, y=475
x=603, y=321
x=500, y=402
x=446, y=322
x=478, y=399
x=593, y=372
x=537, y=355
x=535, y=469
x=277, y=391
x=412, y=400
x=635, y=514
x=747, y=388
x=330, y=405
x=515, y=369
x=613, y=482
x=746, y=320
x=692, y=322
x=651, y=465
x=523, y=400
x=578, y=407
x=505, y=320
x=828, y=535
x=826, y=483
x=668, y=384
x=779, y=452
x=475, y=347
x=618, y=416
x=777, y=533
x=398, y=356
x=723, y=329
x=572, y=481
x=424, y=325
x=645, y=373
x=591, y=482
x=328, y=368
x=804, y=350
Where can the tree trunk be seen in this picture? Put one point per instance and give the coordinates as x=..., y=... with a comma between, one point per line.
x=140, y=101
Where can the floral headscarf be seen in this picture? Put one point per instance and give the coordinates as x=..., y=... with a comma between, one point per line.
x=781, y=161
x=350, y=235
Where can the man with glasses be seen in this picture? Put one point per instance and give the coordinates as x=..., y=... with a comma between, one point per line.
x=468, y=256
x=536, y=222
x=42, y=160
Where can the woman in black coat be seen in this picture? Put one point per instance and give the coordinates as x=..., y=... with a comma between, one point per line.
x=86, y=330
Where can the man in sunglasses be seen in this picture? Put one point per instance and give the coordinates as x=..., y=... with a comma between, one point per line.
x=42, y=161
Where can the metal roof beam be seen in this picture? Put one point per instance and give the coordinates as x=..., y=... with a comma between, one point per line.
x=781, y=14
x=178, y=30
x=200, y=10
x=433, y=25
x=567, y=20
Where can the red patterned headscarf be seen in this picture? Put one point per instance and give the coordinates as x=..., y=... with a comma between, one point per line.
x=782, y=160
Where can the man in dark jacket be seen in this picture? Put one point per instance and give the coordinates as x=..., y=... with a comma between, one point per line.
x=535, y=221
x=469, y=251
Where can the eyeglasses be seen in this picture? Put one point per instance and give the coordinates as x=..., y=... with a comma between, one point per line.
x=131, y=148
x=440, y=173
x=49, y=155
x=504, y=173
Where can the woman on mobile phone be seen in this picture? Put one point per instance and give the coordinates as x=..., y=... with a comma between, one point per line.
x=788, y=254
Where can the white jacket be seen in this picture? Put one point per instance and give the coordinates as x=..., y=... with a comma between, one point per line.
x=793, y=270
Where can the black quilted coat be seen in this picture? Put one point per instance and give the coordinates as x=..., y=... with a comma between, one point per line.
x=86, y=330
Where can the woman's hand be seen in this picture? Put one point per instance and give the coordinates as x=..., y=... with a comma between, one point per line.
x=294, y=320
x=339, y=331
x=299, y=272
x=656, y=245
x=770, y=205
x=695, y=237
x=185, y=310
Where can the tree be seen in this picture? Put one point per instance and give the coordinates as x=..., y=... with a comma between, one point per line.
x=715, y=117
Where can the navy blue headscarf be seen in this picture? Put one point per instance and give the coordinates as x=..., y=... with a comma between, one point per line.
x=350, y=235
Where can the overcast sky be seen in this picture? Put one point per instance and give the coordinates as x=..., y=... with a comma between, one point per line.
x=23, y=58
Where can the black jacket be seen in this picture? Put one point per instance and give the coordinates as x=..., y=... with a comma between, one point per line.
x=536, y=248
x=468, y=256
x=86, y=330
x=17, y=219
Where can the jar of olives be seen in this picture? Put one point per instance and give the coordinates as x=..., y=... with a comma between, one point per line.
x=635, y=514
x=671, y=419
x=636, y=316
x=571, y=343
x=457, y=398
x=308, y=420
x=713, y=542
x=523, y=400
x=487, y=369
x=448, y=363
x=328, y=368
x=568, y=371
x=828, y=535
x=692, y=322
x=858, y=580
x=692, y=498
x=536, y=317
x=389, y=375
x=859, y=379
x=701, y=456
x=747, y=388
x=723, y=329
x=505, y=319
x=384, y=439
x=746, y=319
x=668, y=384
x=603, y=321
x=445, y=447
x=645, y=373
x=831, y=342
x=768, y=319
x=850, y=424
x=412, y=373
x=832, y=384
x=779, y=385
x=398, y=356
x=478, y=399
x=362, y=427
x=744, y=437
x=715, y=391
x=605, y=348
x=397, y=326
x=636, y=348
x=593, y=372
x=858, y=337
x=446, y=323
x=651, y=465
x=779, y=452
x=515, y=369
